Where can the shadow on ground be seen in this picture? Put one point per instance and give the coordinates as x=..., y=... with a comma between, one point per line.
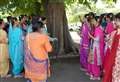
x=63, y=70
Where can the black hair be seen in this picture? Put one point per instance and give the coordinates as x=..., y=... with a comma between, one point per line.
x=9, y=18
x=100, y=20
x=97, y=17
x=117, y=16
x=14, y=19
x=92, y=14
x=37, y=26
x=21, y=17
x=43, y=18
x=86, y=15
x=1, y=20
x=35, y=19
x=110, y=16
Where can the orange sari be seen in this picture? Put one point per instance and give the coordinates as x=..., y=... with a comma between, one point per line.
x=36, y=57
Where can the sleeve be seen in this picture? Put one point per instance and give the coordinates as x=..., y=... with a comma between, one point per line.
x=48, y=46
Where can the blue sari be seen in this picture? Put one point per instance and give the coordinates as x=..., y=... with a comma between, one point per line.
x=16, y=49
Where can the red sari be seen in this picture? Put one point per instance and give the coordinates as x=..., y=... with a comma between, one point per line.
x=111, y=59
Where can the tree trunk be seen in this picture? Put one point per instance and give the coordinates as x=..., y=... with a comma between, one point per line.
x=58, y=26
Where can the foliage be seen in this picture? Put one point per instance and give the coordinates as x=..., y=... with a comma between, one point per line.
x=21, y=6
x=18, y=7
x=76, y=10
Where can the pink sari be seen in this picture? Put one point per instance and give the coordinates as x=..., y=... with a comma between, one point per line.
x=109, y=28
x=98, y=53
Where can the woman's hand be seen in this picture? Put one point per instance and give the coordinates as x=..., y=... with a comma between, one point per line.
x=91, y=36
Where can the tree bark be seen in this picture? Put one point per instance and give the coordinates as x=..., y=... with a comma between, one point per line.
x=58, y=26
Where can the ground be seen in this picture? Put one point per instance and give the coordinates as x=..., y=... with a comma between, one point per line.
x=63, y=70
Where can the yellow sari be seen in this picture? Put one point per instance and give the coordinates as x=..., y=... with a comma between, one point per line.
x=4, y=62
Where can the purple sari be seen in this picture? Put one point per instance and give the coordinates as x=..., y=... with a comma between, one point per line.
x=84, y=45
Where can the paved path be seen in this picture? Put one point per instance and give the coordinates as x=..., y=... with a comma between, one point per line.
x=66, y=70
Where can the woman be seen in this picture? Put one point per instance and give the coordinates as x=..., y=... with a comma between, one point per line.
x=109, y=29
x=45, y=30
x=4, y=58
x=36, y=58
x=98, y=51
x=84, y=45
x=112, y=70
x=16, y=48
x=44, y=21
x=29, y=25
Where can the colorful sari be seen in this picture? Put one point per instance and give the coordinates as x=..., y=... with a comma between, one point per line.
x=4, y=62
x=16, y=49
x=37, y=67
x=97, y=55
x=84, y=45
x=112, y=70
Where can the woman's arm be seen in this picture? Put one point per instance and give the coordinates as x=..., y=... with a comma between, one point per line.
x=4, y=38
x=91, y=36
x=48, y=46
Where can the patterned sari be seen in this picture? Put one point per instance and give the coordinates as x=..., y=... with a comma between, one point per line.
x=37, y=65
x=112, y=67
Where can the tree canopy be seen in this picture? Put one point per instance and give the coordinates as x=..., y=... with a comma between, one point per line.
x=17, y=7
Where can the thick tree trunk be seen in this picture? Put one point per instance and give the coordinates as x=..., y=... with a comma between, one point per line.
x=58, y=26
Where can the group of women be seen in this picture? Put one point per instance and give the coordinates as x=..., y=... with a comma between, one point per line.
x=24, y=44
x=24, y=48
x=100, y=46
